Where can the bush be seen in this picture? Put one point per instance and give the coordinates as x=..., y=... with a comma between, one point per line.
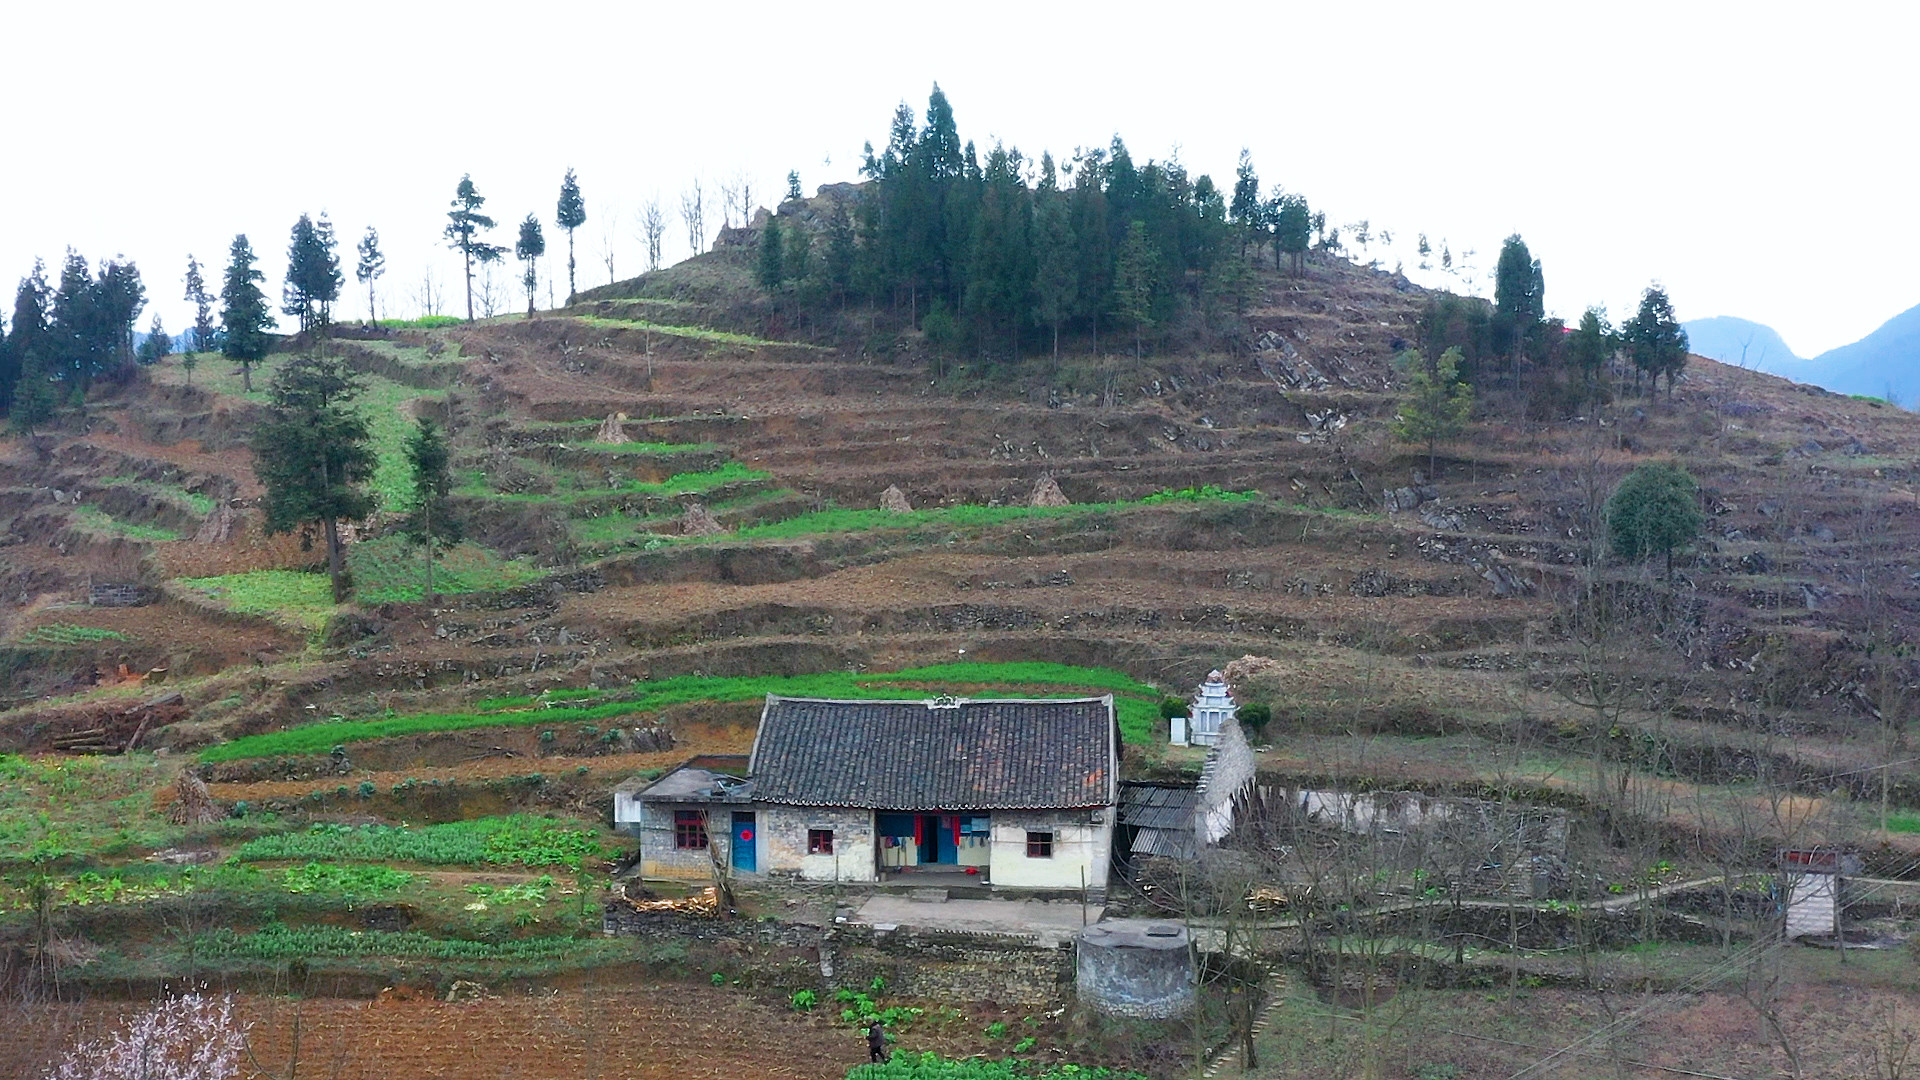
x=1172, y=707
x=1254, y=717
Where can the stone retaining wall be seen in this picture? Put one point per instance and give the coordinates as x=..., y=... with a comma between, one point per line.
x=916, y=963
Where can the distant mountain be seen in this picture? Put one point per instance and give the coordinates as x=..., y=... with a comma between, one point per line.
x=1744, y=343
x=1885, y=363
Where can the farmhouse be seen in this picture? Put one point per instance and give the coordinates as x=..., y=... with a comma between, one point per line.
x=1016, y=794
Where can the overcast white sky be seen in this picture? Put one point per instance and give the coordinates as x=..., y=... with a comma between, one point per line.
x=1757, y=159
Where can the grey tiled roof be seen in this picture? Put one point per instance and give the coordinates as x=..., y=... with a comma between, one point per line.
x=905, y=755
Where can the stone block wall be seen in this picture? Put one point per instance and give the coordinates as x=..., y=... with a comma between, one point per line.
x=118, y=594
x=916, y=963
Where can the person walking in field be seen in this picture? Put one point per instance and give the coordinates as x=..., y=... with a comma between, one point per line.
x=876, y=1042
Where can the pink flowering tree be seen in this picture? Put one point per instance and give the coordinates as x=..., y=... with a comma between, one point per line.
x=184, y=1037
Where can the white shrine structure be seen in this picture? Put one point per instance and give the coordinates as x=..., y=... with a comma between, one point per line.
x=1211, y=708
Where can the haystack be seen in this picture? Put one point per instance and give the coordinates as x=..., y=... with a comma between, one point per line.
x=1046, y=492
x=895, y=500
x=192, y=803
x=613, y=429
x=699, y=521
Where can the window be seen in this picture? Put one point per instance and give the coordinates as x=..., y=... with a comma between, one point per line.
x=819, y=841
x=1039, y=845
x=689, y=829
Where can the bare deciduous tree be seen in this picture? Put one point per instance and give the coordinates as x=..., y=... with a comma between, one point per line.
x=429, y=296
x=693, y=212
x=609, y=232
x=653, y=225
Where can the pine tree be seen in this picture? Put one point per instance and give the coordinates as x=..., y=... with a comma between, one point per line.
x=202, y=301
x=119, y=296
x=1519, y=299
x=1591, y=345
x=33, y=395
x=1654, y=339
x=529, y=247
x=771, y=256
x=570, y=214
x=841, y=253
x=1135, y=279
x=1438, y=404
x=313, y=274
x=1292, y=224
x=1056, y=273
x=74, y=324
x=371, y=265
x=156, y=346
x=1245, y=211
x=793, y=185
x=313, y=454
x=432, y=521
x=244, y=315
x=27, y=332
x=465, y=223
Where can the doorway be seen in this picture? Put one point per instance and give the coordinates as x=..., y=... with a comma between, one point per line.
x=743, y=842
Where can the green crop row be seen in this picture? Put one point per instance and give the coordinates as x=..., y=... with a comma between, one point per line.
x=389, y=570
x=969, y=516
x=1138, y=718
x=69, y=634
x=179, y=496
x=94, y=519
x=277, y=942
x=691, y=483
x=501, y=841
x=931, y=1066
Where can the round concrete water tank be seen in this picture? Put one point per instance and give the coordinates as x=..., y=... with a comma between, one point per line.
x=1135, y=967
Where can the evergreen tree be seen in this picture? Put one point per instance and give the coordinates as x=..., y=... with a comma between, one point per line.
x=156, y=346
x=1135, y=279
x=313, y=454
x=372, y=263
x=28, y=332
x=1056, y=255
x=313, y=274
x=1292, y=224
x=570, y=214
x=999, y=272
x=1655, y=340
x=793, y=185
x=119, y=296
x=842, y=254
x=1438, y=404
x=201, y=338
x=432, y=521
x=1245, y=211
x=1654, y=511
x=771, y=255
x=529, y=247
x=33, y=395
x=1519, y=299
x=1591, y=345
x=1093, y=265
x=74, y=325
x=244, y=315
x=796, y=261
x=465, y=223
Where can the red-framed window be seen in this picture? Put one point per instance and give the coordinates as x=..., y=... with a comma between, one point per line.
x=1039, y=845
x=689, y=829
x=819, y=841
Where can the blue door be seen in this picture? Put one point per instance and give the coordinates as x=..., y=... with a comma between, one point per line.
x=743, y=842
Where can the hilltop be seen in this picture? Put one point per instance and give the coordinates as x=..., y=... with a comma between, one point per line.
x=1232, y=498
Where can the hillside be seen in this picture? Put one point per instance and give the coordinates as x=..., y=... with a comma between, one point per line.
x=1239, y=499
x=1881, y=365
